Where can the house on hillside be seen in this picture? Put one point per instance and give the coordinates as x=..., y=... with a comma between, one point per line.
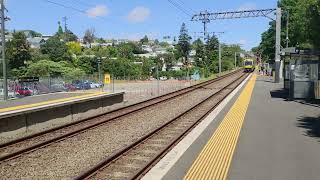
x=36, y=42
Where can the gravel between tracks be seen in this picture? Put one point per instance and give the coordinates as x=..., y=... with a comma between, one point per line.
x=68, y=158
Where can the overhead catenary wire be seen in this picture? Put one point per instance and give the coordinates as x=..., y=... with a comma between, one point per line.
x=72, y=8
x=183, y=3
x=178, y=6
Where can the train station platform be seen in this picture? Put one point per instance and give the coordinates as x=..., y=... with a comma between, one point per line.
x=39, y=100
x=256, y=133
x=32, y=114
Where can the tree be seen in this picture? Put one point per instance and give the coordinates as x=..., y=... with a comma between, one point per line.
x=199, y=47
x=184, y=46
x=37, y=55
x=73, y=73
x=304, y=27
x=101, y=40
x=59, y=33
x=122, y=67
x=56, y=49
x=18, y=51
x=74, y=48
x=167, y=59
x=144, y=40
x=70, y=36
x=44, y=68
x=87, y=63
x=89, y=36
x=156, y=42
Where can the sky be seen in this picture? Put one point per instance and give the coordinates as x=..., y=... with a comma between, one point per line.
x=132, y=19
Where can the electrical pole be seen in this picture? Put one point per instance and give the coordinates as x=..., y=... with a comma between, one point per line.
x=4, y=64
x=235, y=60
x=287, y=35
x=65, y=28
x=219, y=58
x=278, y=63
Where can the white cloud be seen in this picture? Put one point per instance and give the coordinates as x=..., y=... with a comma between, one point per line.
x=138, y=14
x=99, y=10
x=247, y=6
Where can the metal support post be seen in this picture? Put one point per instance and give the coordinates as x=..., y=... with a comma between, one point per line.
x=219, y=58
x=158, y=83
x=278, y=66
x=113, y=83
x=235, y=60
x=3, y=49
x=287, y=33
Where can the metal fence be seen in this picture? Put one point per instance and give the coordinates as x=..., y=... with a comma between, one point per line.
x=134, y=88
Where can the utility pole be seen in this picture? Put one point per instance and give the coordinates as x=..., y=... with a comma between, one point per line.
x=4, y=64
x=64, y=19
x=158, y=83
x=219, y=58
x=287, y=35
x=278, y=63
x=235, y=60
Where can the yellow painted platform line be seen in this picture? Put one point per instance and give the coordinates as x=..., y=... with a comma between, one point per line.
x=214, y=160
x=14, y=108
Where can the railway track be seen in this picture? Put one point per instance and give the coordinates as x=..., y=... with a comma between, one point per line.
x=134, y=160
x=27, y=144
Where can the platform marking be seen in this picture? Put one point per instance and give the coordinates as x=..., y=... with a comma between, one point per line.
x=14, y=108
x=214, y=160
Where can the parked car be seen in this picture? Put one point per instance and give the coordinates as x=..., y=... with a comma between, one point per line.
x=70, y=87
x=24, y=91
x=163, y=78
x=95, y=85
x=11, y=94
x=82, y=85
x=58, y=88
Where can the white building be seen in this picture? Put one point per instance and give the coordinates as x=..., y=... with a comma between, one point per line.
x=147, y=48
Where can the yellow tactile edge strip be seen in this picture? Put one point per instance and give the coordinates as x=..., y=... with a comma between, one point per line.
x=215, y=158
x=15, y=108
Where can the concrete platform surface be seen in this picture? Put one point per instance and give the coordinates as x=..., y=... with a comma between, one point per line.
x=40, y=100
x=279, y=139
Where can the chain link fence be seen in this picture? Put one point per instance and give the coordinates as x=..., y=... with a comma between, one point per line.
x=134, y=88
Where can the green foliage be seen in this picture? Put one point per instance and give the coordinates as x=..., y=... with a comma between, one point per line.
x=59, y=33
x=56, y=49
x=70, y=36
x=74, y=48
x=37, y=55
x=18, y=51
x=122, y=68
x=45, y=68
x=164, y=44
x=147, y=65
x=144, y=40
x=304, y=27
x=87, y=63
x=100, y=40
x=73, y=73
x=167, y=59
x=184, y=46
x=156, y=42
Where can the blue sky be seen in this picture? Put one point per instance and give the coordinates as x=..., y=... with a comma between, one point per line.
x=134, y=18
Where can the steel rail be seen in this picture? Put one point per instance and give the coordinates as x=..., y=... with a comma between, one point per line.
x=72, y=133
x=112, y=158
